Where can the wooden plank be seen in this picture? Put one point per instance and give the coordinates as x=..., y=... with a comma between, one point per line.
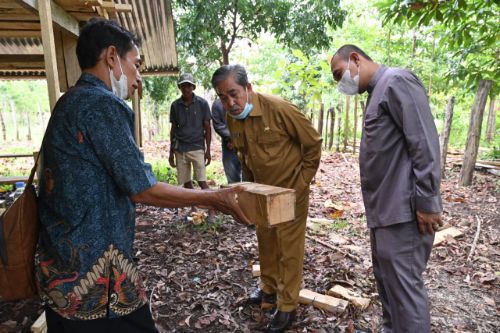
x=10, y=180
x=40, y=325
x=49, y=51
x=442, y=235
x=359, y=302
x=266, y=205
x=19, y=33
x=57, y=14
x=321, y=301
x=73, y=70
x=255, y=270
x=16, y=155
x=19, y=25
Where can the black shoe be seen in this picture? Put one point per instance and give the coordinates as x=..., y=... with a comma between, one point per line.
x=280, y=322
x=258, y=297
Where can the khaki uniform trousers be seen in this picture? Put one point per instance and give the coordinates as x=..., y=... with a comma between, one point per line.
x=281, y=255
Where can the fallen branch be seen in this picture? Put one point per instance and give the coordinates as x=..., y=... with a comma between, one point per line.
x=352, y=256
x=476, y=237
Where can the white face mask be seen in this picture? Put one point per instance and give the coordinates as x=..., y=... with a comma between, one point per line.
x=347, y=84
x=120, y=87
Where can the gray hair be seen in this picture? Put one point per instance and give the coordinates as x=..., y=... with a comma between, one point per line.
x=238, y=71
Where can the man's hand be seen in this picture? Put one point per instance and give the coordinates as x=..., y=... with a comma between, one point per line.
x=208, y=158
x=228, y=203
x=428, y=223
x=171, y=159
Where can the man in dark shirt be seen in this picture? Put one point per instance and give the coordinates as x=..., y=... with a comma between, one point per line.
x=400, y=179
x=232, y=166
x=93, y=175
x=190, y=131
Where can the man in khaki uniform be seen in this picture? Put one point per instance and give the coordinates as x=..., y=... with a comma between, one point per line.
x=277, y=145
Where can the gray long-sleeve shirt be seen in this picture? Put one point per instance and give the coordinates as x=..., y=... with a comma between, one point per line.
x=399, y=154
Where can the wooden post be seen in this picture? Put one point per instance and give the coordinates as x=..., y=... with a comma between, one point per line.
x=136, y=105
x=492, y=119
x=49, y=51
x=332, y=127
x=445, y=135
x=320, y=120
x=355, y=132
x=339, y=111
x=474, y=133
x=346, y=123
x=2, y=124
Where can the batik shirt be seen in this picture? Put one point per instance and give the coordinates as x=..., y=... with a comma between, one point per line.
x=91, y=165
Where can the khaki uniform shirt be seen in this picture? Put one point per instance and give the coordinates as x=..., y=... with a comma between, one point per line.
x=277, y=144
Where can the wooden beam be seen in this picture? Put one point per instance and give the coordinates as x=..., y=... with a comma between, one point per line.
x=49, y=51
x=21, y=61
x=73, y=70
x=19, y=25
x=19, y=33
x=58, y=14
x=112, y=7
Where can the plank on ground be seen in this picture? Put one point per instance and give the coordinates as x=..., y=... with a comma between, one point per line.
x=359, y=302
x=441, y=235
x=321, y=301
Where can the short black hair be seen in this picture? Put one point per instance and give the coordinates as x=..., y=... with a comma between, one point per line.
x=345, y=50
x=97, y=35
x=239, y=72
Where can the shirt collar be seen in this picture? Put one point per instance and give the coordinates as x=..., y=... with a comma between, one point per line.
x=378, y=74
x=256, y=111
x=90, y=79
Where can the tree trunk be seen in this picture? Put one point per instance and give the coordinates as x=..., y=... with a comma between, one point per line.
x=432, y=59
x=355, y=132
x=14, y=118
x=320, y=120
x=29, y=125
x=4, y=130
x=339, y=120
x=492, y=120
x=326, y=128
x=445, y=135
x=346, y=123
x=363, y=109
x=474, y=133
x=40, y=116
x=332, y=127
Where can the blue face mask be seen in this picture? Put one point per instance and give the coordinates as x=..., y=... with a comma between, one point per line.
x=246, y=111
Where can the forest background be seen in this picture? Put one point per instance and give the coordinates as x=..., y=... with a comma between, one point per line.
x=452, y=46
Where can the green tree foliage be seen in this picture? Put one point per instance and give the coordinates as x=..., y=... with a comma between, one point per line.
x=467, y=27
x=209, y=32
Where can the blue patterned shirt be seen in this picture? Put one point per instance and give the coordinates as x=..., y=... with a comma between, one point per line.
x=91, y=165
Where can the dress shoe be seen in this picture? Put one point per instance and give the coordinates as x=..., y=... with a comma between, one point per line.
x=281, y=321
x=258, y=297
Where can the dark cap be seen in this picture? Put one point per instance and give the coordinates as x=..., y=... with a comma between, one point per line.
x=186, y=77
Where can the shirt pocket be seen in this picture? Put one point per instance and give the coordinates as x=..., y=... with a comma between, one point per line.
x=270, y=143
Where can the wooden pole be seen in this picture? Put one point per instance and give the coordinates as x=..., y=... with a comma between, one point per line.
x=474, y=133
x=49, y=51
x=492, y=119
x=320, y=120
x=332, y=127
x=346, y=123
x=326, y=127
x=339, y=111
x=445, y=135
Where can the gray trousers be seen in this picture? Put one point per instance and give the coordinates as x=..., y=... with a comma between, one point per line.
x=399, y=255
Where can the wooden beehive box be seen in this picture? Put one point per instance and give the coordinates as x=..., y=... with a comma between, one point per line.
x=265, y=204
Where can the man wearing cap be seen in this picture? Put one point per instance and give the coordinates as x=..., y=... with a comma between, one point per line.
x=190, y=134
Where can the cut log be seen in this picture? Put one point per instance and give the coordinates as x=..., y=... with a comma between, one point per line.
x=443, y=234
x=40, y=325
x=358, y=301
x=321, y=301
x=265, y=204
x=255, y=270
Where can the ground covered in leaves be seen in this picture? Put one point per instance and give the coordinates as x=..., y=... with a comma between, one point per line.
x=198, y=276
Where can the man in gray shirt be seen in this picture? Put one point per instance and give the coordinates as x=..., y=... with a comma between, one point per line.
x=400, y=179
x=190, y=134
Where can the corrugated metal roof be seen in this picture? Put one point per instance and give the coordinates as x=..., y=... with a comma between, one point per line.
x=151, y=19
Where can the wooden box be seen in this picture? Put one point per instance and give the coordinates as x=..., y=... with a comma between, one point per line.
x=265, y=204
